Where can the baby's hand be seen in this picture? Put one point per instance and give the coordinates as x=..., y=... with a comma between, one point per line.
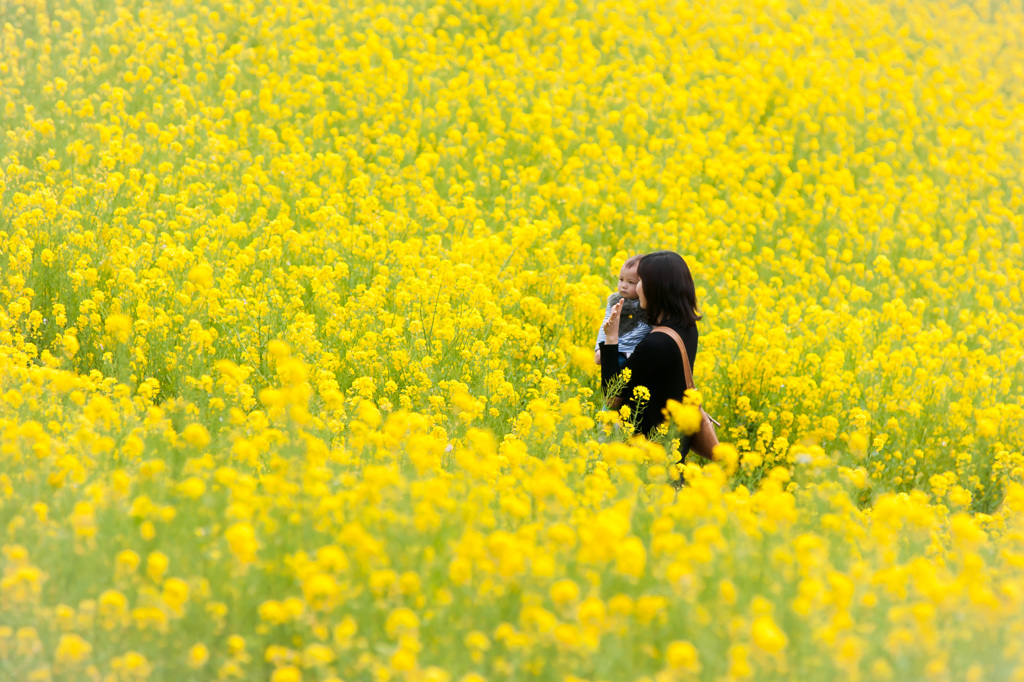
x=611, y=325
x=597, y=357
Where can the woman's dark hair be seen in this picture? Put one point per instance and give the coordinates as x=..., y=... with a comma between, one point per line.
x=668, y=288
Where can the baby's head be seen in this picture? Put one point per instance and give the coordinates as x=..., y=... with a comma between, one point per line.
x=628, y=278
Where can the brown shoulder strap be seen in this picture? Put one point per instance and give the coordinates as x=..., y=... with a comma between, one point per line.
x=682, y=351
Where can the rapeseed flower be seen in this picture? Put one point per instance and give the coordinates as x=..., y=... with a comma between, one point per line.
x=72, y=650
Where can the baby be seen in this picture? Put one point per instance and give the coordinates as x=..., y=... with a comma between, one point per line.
x=632, y=323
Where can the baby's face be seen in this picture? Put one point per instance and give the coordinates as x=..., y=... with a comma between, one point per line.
x=627, y=282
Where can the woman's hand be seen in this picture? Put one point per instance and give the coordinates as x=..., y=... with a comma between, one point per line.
x=611, y=325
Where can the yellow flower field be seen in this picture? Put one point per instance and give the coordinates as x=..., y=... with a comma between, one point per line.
x=297, y=312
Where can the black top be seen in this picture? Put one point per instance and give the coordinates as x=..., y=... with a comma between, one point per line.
x=657, y=365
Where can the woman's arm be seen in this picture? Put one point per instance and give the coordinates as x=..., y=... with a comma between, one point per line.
x=647, y=369
x=609, y=365
x=645, y=364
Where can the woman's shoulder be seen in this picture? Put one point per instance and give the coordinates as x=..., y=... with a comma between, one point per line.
x=689, y=335
x=681, y=329
x=656, y=339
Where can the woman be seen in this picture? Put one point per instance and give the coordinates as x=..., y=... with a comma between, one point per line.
x=669, y=299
